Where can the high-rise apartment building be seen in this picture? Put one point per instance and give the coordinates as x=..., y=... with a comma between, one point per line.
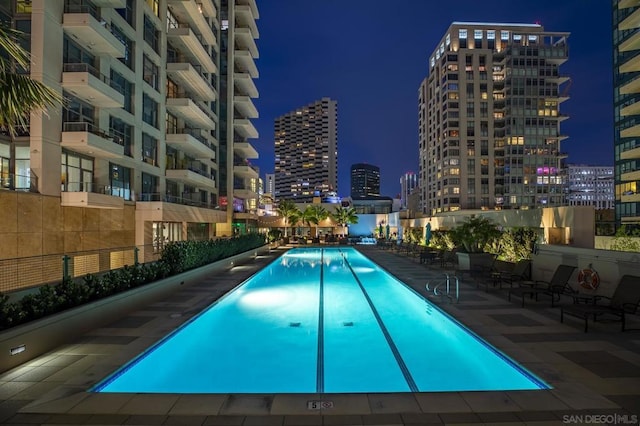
x=626, y=104
x=408, y=183
x=590, y=186
x=152, y=142
x=306, y=151
x=269, y=183
x=365, y=180
x=489, y=118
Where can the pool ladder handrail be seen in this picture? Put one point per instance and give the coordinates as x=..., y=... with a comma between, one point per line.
x=447, y=282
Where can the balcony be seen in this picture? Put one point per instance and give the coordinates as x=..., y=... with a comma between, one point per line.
x=83, y=194
x=191, y=142
x=245, y=41
x=187, y=76
x=558, y=79
x=245, y=193
x=631, y=43
x=88, y=84
x=630, y=132
x=632, y=86
x=169, y=208
x=88, y=139
x=631, y=21
x=245, y=63
x=245, y=128
x=193, y=177
x=245, y=170
x=245, y=106
x=245, y=19
x=189, y=11
x=632, y=64
x=87, y=29
x=245, y=85
x=116, y=4
x=630, y=176
x=630, y=198
x=245, y=150
x=628, y=3
x=631, y=154
x=252, y=6
x=631, y=109
x=185, y=40
x=190, y=111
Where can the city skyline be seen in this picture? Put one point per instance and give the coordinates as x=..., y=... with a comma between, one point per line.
x=374, y=73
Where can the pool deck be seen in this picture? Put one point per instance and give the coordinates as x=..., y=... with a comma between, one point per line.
x=595, y=376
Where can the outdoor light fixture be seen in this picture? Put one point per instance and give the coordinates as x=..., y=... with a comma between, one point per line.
x=18, y=349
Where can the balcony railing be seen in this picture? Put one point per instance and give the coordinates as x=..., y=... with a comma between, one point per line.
x=173, y=199
x=196, y=133
x=19, y=182
x=82, y=67
x=83, y=126
x=114, y=191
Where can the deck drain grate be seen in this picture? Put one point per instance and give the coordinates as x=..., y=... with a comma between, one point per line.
x=347, y=324
x=294, y=324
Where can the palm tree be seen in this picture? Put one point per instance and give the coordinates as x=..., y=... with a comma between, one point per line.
x=345, y=216
x=289, y=212
x=313, y=215
x=19, y=94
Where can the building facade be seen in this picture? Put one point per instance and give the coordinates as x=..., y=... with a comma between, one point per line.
x=365, y=180
x=306, y=152
x=626, y=104
x=408, y=183
x=489, y=119
x=590, y=186
x=152, y=143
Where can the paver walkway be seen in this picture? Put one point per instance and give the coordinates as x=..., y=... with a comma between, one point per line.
x=594, y=374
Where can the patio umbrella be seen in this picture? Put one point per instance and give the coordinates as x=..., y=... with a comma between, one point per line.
x=387, y=231
x=427, y=233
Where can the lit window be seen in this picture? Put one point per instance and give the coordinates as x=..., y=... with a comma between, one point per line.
x=462, y=33
x=491, y=35
x=504, y=35
x=477, y=34
x=448, y=39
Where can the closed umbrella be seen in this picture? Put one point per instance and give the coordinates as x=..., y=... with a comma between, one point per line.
x=427, y=233
x=387, y=231
x=380, y=230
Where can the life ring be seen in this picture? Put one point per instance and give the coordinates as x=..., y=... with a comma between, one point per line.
x=588, y=278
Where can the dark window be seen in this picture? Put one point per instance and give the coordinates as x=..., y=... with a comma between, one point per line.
x=125, y=87
x=120, y=181
x=149, y=149
x=128, y=58
x=151, y=33
x=149, y=111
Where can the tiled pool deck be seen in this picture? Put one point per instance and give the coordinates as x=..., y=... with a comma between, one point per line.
x=593, y=374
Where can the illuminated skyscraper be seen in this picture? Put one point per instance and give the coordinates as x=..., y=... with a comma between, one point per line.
x=306, y=152
x=489, y=118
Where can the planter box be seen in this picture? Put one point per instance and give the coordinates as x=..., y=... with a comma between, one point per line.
x=474, y=261
x=45, y=334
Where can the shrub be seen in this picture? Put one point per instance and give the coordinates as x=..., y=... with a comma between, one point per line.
x=177, y=257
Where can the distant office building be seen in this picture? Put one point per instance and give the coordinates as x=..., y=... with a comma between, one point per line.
x=408, y=183
x=626, y=104
x=489, y=118
x=306, y=152
x=365, y=180
x=590, y=186
x=269, y=183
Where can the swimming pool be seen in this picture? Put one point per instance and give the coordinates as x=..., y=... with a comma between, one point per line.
x=320, y=321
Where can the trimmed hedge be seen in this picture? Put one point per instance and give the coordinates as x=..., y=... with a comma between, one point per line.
x=177, y=257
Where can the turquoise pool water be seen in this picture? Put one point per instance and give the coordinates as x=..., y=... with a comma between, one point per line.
x=321, y=320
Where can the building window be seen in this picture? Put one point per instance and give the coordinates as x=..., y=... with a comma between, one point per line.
x=149, y=111
x=155, y=6
x=127, y=13
x=76, y=111
x=149, y=187
x=151, y=34
x=128, y=59
x=150, y=72
x=120, y=181
x=149, y=149
x=23, y=6
x=124, y=87
x=122, y=134
x=77, y=172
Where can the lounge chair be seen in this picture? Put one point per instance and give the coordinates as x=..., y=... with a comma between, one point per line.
x=521, y=272
x=625, y=300
x=558, y=285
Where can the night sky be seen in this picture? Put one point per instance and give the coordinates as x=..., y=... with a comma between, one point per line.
x=371, y=56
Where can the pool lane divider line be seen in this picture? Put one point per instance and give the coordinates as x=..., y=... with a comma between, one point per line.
x=394, y=349
x=320, y=362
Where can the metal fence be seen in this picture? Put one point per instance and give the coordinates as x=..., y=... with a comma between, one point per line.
x=25, y=272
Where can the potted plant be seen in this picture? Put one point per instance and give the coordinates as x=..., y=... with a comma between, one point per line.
x=472, y=238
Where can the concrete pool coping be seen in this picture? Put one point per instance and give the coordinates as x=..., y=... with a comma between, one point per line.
x=53, y=387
